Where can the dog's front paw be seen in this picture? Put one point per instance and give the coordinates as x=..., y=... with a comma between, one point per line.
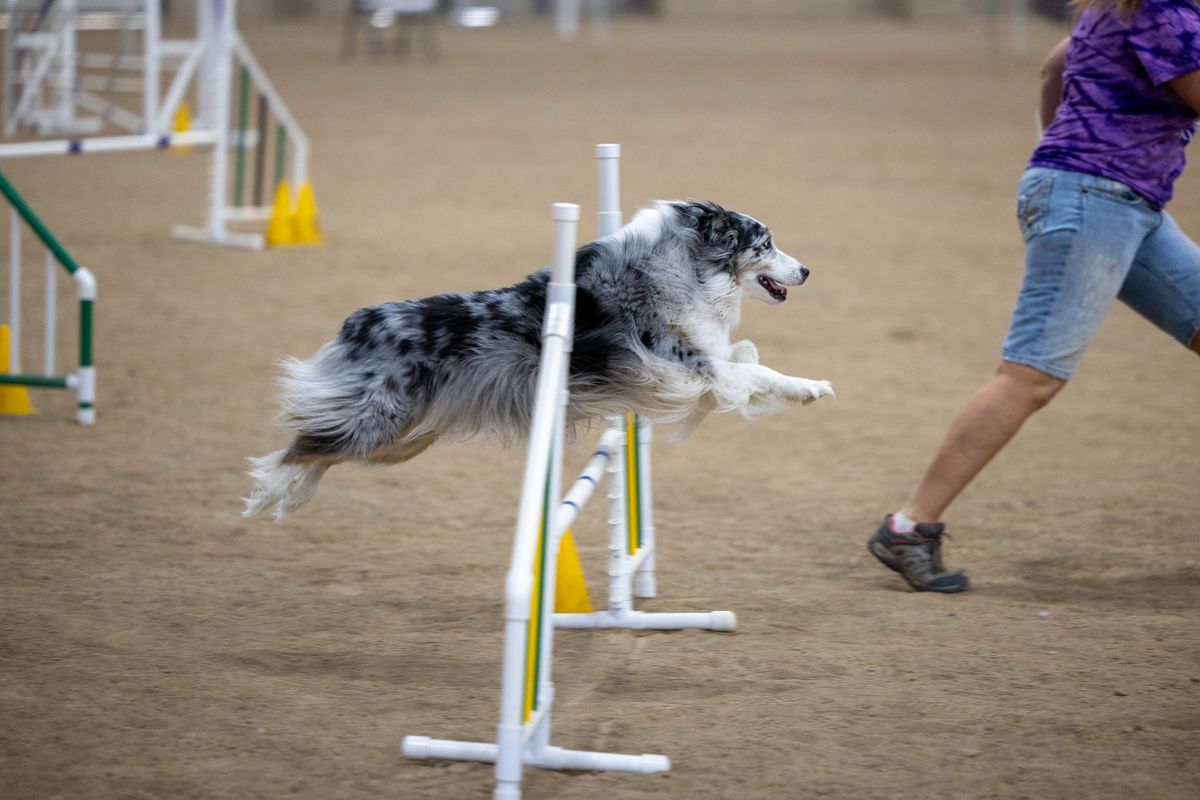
x=743, y=352
x=810, y=391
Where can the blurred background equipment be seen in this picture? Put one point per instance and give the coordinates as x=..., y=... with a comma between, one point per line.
x=407, y=18
x=100, y=74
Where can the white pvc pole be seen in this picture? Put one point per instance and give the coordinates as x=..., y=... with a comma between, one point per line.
x=547, y=415
x=608, y=221
x=619, y=597
x=585, y=485
x=14, y=292
x=51, y=316
x=560, y=292
x=608, y=161
x=566, y=18
x=643, y=579
x=205, y=82
x=104, y=144
x=151, y=75
x=221, y=57
x=68, y=11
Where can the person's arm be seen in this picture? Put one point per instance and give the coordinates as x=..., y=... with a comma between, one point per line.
x=1187, y=86
x=1052, y=81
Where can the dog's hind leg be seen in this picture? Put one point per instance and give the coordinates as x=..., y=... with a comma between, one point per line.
x=403, y=451
x=285, y=484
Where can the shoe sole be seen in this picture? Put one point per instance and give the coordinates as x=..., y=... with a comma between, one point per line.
x=890, y=563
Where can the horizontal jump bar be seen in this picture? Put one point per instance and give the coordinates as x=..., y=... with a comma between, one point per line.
x=44, y=381
x=107, y=144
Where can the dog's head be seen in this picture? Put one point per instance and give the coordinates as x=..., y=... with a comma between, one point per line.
x=738, y=245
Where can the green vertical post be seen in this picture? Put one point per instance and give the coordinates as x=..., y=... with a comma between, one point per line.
x=260, y=150
x=281, y=154
x=240, y=158
x=86, y=359
x=86, y=311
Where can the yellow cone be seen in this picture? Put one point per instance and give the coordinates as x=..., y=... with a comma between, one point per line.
x=14, y=400
x=570, y=591
x=280, y=229
x=182, y=124
x=306, y=228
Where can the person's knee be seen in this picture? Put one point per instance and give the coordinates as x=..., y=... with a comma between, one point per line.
x=1035, y=387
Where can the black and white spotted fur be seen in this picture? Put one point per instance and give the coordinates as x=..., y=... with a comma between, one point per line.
x=656, y=303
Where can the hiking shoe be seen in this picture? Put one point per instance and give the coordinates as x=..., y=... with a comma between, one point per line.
x=917, y=556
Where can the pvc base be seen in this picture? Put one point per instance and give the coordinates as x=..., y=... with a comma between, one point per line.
x=643, y=620
x=418, y=747
x=242, y=241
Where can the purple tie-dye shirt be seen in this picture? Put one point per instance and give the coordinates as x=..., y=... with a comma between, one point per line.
x=1118, y=118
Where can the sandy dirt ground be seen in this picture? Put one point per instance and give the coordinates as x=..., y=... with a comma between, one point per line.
x=153, y=644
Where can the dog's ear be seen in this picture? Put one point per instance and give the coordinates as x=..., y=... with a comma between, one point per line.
x=712, y=222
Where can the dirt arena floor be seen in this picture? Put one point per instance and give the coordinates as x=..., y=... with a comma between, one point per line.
x=153, y=644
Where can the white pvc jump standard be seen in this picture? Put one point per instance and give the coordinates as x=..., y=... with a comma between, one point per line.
x=631, y=558
x=527, y=691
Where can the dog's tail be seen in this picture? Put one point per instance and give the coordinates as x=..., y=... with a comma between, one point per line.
x=285, y=486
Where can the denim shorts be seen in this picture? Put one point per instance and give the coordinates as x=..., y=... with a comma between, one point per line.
x=1089, y=241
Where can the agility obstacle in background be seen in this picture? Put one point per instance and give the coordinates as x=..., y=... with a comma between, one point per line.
x=543, y=522
x=13, y=383
x=52, y=89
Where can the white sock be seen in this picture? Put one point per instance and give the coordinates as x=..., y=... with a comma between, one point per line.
x=901, y=523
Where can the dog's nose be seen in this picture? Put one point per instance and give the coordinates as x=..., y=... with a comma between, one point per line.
x=803, y=274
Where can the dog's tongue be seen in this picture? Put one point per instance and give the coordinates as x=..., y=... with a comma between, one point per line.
x=775, y=286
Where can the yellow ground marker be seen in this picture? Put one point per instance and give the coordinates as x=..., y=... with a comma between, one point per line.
x=570, y=589
x=14, y=400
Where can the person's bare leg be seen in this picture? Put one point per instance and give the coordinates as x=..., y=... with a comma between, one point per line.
x=986, y=423
x=1196, y=343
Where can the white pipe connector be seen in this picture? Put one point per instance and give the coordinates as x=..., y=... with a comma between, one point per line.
x=85, y=283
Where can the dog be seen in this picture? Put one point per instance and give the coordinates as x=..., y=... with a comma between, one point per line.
x=655, y=306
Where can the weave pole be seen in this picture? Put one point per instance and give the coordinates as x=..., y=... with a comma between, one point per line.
x=527, y=691
x=632, y=541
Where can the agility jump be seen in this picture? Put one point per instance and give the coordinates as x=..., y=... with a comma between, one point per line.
x=13, y=397
x=527, y=691
x=631, y=551
x=47, y=92
x=622, y=455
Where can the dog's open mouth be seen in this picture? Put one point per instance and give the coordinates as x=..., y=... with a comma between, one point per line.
x=774, y=288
